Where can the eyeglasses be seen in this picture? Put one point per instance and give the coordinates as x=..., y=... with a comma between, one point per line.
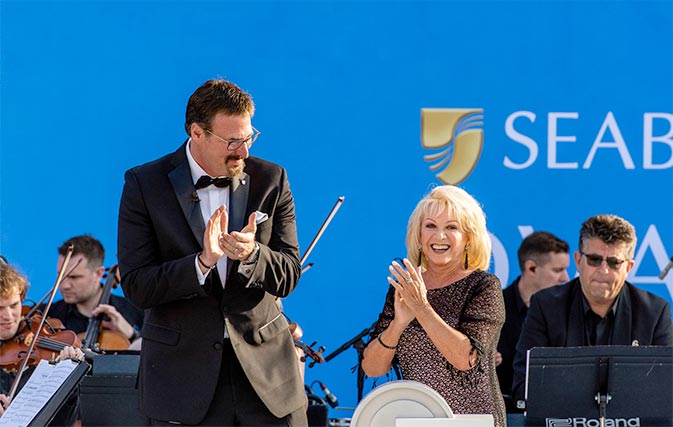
x=234, y=144
x=597, y=260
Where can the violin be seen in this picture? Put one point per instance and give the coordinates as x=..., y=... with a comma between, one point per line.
x=97, y=338
x=49, y=343
x=52, y=323
x=315, y=355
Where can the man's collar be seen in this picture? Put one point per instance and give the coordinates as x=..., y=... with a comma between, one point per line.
x=520, y=305
x=71, y=310
x=196, y=170
x=613, y=308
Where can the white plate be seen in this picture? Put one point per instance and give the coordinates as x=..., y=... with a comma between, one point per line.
x=399, y=399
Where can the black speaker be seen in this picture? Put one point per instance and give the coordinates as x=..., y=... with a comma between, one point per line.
x=108, y=397
x=317, y=415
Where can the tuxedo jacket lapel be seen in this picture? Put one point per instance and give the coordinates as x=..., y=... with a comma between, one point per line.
x=181, y=180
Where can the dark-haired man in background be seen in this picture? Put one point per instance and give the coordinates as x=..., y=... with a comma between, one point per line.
x=81, y=290
x=599, y=307
x=543, y=259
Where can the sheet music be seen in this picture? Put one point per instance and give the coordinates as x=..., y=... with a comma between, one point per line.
x=42, y=385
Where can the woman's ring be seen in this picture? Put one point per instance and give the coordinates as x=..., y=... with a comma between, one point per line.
x=407, y=280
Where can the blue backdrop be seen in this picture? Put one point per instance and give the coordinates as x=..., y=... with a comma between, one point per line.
x=575, y=99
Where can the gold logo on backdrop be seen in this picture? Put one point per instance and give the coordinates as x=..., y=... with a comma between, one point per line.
x=456, y=136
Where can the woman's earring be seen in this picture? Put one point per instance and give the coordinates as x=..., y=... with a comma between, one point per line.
x=466, y=257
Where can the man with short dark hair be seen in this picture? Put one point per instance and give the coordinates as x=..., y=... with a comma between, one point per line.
x=544, y=260
x=207, y=242
x=81, y=290
x=599, y=307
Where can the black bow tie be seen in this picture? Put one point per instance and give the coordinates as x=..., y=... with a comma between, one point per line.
x=219, y=182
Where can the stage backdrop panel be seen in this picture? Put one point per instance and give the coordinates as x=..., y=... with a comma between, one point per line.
x=560, y=110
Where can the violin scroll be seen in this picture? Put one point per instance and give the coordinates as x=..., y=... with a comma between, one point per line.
x=309, y=351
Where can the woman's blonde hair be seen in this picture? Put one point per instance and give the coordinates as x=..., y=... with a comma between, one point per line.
x=470, y=216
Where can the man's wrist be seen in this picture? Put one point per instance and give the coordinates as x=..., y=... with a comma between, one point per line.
x=135, y=335
x=204, y=264
x=253, y=257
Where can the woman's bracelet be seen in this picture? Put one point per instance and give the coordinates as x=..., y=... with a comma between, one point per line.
x=384, y=344
x=198, y=257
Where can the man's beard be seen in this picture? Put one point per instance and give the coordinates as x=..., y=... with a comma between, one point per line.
x=236, y=170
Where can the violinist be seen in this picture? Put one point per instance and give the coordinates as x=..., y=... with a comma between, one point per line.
x=13, y=289
x=82, y=290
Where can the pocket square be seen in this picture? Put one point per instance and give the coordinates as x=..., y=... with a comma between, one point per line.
x=260, y=217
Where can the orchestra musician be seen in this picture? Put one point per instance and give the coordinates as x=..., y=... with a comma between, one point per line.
x=13, y=289
x=81, y=290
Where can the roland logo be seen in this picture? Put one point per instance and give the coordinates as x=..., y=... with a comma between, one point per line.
x=592, y=422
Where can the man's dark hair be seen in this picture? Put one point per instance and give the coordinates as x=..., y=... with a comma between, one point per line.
x=86, y=245
x=611, y=230
x=538, y=246
x=217, y=96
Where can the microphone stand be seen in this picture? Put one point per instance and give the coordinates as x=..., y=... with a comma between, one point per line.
x=359, y=345
x=664, y=272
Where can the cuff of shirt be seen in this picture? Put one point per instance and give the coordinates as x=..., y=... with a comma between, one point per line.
x=199, y=274
x=245, y=268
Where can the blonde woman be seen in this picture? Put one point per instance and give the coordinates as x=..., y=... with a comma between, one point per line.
x=443, y=312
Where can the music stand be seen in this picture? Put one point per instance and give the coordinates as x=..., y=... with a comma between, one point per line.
x=51, y=408
x=599, y=383
x=47, y=391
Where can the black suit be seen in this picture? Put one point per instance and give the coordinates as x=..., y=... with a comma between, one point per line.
x=160, y=232
x=556, y=319
x=515, y=313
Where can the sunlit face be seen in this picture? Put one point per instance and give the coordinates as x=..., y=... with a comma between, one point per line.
x=442, y=240
x=601, y=284
x=83, y=284
x=212, y=153
x=10, y=315
x=553, y=272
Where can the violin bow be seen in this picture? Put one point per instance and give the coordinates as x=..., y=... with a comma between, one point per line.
x=324, y=225
x=34, y=308
x=31, y=347
x=316, y=355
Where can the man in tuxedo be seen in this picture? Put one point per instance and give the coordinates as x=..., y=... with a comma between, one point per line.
x=207, y=243
x=599, y=307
